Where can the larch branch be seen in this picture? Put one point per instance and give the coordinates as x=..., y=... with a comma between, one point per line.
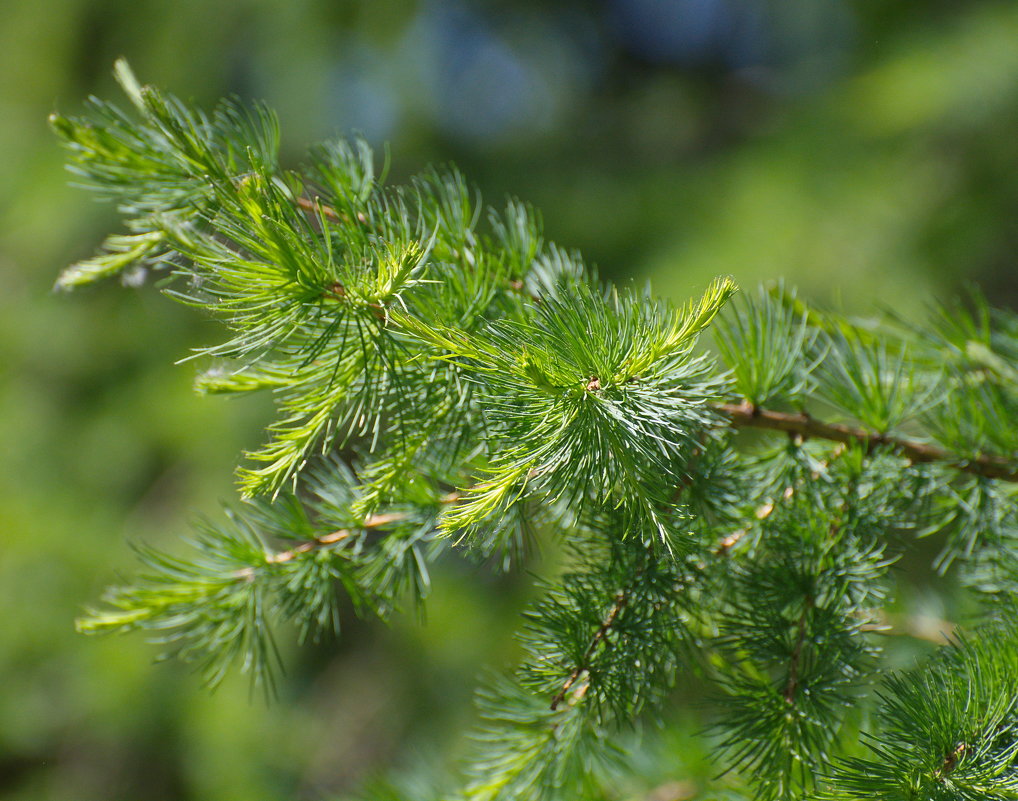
x=621, y=599
x=746, y=415
x=325, y=540
x=793, y=663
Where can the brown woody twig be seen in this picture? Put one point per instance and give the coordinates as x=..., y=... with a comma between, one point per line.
x=747, y=415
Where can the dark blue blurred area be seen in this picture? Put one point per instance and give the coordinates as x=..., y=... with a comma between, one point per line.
x=486, y=74
x=482, y=77
x=794, y=46
x=692, y=33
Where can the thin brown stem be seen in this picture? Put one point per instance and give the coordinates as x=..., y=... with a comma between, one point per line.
x=951, y=760
x=746, y=415
x=317, y=207
x=793, y=663
x=374, y=521
x=621, y=599
x=307, y=204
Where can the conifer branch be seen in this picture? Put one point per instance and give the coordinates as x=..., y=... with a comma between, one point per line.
x=325, y=540
x=746, y=415
x=793, y=664
x=443, y=345
x=281, y=557
x=621, y=598
x=317, y=207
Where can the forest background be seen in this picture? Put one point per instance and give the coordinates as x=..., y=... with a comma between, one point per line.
x=865, y=153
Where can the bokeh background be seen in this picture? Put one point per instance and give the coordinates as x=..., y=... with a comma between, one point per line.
x=864, y=152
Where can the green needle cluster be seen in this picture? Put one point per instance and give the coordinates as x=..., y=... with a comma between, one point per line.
x=447, y=382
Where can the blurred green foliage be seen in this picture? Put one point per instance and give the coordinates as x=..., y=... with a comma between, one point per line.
x=863, y=152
